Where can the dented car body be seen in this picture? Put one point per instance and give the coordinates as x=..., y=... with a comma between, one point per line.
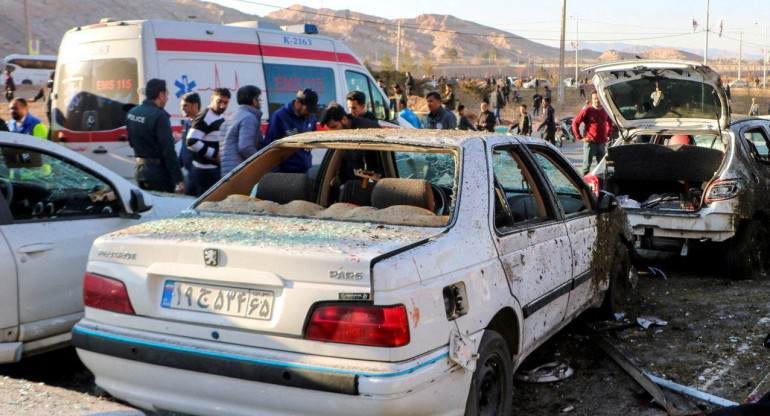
x=436, y=268
x=685, y=171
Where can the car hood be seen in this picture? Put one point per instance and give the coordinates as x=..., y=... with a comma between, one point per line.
x=662, y=95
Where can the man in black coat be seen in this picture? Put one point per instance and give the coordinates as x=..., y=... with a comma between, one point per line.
x=486, y=119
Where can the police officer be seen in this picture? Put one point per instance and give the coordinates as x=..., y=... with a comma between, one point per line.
x=149, y=134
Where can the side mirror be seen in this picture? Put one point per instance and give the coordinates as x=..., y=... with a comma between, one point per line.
x=137, y=203
x=607, y=201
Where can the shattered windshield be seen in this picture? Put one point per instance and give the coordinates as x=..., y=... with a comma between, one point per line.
x=379, y=183
x=651, y=97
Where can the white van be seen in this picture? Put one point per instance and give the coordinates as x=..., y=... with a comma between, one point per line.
x=30, y=69
x=103, y=67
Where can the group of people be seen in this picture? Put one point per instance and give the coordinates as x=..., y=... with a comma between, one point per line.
x=213, y=144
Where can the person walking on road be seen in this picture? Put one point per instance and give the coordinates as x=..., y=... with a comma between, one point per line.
x=597, y=128
x=497, y=101
x=438, y=117
x=9, y=87
x=754, y=109
x=242, y=130
x=462, y=120
x=486, y=120
x=203, y=140
x=549, y=122
x=409, y=83
x=524, y=126
x=546, y=93
x=297, y=116
x=190, y=106
x=149, y=134
x=537, y=100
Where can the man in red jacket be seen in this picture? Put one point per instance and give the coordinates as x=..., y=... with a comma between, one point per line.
x=597, y=130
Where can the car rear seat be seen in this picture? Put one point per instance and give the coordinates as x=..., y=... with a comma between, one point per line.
x=397, y=191
x=353, y=193
x=283, y=187
x=523, y=207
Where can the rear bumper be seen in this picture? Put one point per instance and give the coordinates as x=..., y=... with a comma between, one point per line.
x=703, y=225
x=202, y=377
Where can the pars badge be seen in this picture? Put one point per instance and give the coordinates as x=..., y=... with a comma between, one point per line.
x=211, y=257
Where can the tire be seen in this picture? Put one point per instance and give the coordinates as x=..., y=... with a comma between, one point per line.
x=615, y=298
x=560, y=139
x=26, y=82
x=748, y=252
x=491, y=391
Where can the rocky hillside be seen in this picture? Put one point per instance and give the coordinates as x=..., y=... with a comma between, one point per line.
x=371, y=36
x=656, y=53
x=49, y=19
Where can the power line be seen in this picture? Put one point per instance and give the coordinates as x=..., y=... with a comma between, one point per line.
x=455, y=32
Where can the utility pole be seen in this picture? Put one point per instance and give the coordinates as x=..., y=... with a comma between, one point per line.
x=398, y=48
x=740, y=54
x=706, y=49
x=26, y=19
x=560, y=80
x=576, y=46
x=764, y=62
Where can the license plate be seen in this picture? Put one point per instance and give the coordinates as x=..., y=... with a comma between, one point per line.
x=220, y=300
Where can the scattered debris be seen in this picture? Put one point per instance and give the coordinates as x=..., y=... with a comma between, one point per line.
x=648, y=321
x=568, y=409
x=546, y=373
x=657, y=272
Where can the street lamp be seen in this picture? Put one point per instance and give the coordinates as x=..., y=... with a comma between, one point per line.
x=576, y=46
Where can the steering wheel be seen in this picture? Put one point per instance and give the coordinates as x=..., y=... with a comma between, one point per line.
x=439, y=198
x=8, y=191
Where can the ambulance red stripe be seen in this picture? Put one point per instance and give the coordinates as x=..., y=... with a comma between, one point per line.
x=209, y=46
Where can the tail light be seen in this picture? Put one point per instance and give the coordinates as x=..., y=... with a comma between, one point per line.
x=593, y=182
x=723, y=190
x=380, y=326
x=105, y=293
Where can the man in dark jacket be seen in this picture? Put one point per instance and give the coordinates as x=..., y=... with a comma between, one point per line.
x=537, y=100
x=297, y=116
x=486, y=120
x=438, y=117
x=524, y=126
x=149, y=134
x=357, y=105
x=462, y=120
x=549, y=122
x=498, y=102
x=335, y=118
x=409, y=84
x=42, y=95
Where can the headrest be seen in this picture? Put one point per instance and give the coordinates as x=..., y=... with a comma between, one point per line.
x=285, y=187
x=396, y=191
x=353, y=193
x=680, y=139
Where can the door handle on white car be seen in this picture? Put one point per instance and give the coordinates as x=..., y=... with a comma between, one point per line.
x=36, y=248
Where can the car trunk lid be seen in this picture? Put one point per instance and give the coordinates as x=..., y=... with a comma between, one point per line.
x=662, y=94
x=248, y=272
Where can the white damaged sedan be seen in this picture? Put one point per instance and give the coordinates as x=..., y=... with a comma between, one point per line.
x=410, y=273
x=53, y=203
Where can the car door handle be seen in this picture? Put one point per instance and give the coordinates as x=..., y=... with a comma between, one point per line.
x=100, y=151
x=36, y=248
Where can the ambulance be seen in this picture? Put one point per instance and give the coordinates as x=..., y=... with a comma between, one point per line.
x=102, y=70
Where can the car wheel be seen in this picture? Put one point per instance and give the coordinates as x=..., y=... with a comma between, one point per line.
x=747, y=252
x=620, y=285
x=26, y=82
x=491, y=391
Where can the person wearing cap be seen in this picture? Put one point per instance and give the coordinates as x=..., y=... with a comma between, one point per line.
x=149, y=134
x=297, y=116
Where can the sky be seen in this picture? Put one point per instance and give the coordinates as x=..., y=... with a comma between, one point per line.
x=645, y=22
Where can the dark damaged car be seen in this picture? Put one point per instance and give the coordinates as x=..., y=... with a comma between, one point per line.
x=410, y=273
x=684, y=170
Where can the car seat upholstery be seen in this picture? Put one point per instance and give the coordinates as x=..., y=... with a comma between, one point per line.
x=396, y=191
x=284, y=187
x=353, y=193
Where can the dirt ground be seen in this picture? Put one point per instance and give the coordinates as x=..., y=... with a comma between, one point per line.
x=712, y=342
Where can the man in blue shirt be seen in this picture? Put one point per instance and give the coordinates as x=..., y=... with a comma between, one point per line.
x=298, y=116
x=408, y=115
